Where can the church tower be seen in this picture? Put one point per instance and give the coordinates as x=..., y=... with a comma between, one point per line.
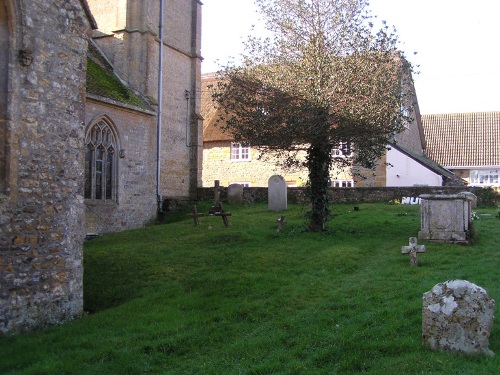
x=129, y=35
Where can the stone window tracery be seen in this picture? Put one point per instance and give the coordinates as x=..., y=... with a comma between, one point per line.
x=100, y=162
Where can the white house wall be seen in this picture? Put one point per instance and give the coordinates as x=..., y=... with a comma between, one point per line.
x=405, y=171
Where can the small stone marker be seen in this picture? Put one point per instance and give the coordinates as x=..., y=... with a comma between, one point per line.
x=277, y=193
x=220, y=212
x=457, y=316
x=195, y=215
x=235, y=194
x=413, y=249
x=215, y=207
x=280, y=223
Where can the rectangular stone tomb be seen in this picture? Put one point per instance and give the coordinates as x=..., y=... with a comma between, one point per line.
x=445, y=218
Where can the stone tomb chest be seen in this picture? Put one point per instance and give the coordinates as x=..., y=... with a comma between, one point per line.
x=445, y=218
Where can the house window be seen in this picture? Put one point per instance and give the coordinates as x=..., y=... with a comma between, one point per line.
x=240, y=152
x=100, y=162
x=344, y=150
x=342, y=183
x=484, y=177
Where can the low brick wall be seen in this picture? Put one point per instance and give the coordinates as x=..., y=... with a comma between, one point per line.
x=485, y=196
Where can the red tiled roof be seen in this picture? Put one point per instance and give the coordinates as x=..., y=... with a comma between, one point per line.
x=463, y=139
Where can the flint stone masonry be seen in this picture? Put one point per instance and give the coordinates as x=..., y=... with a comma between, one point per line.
x=457, y=316
x=445, y=218
x=41, y=207
x=353, y=195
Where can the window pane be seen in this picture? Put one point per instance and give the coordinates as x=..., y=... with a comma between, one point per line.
x=245, y=153
x=109, y=174
x=98, y=173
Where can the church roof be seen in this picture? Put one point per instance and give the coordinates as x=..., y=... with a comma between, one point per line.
x=463, y=139
x=103, y=82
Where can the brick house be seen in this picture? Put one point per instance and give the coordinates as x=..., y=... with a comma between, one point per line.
x=404, y=163
x=467, y=144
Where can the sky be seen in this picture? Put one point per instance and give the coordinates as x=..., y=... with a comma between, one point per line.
x=457, y=44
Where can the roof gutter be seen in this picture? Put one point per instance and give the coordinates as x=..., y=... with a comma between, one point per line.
x=473, y=167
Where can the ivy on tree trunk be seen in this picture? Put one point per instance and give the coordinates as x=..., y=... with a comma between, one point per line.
x=318, y=163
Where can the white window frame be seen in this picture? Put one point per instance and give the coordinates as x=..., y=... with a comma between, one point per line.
x=484, y=177
x=240, y=152
x=342, y=183
x=343, y=150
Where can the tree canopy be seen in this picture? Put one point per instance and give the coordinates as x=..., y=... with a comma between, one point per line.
x=323, y=77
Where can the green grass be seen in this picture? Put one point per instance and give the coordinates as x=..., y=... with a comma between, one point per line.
x=180, y=299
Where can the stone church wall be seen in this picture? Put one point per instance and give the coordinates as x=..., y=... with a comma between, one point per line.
x=41, y=207
x=135, y=205
x=132, y=46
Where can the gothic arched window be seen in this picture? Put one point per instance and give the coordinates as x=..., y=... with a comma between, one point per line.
x=100, y=162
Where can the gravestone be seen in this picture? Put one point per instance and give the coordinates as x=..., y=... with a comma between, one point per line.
x=457, y=316
x=445, y=218
x=277, y=193
x=472, y=198
x=280, y=223
x=217, y=200
x=235, y=194
x=413, y=249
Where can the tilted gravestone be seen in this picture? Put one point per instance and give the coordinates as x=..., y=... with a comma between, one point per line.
x=235, y=194
x=457, y=316
x=277, y=193
x=445, y=218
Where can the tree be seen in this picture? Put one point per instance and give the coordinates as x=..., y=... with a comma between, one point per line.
x=322, y=78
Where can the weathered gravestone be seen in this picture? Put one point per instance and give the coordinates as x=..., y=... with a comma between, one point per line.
x=413, y=249
x=472, y=198
x=445, y=218
x=277, y=193
x=235, y=194
x=457, y=316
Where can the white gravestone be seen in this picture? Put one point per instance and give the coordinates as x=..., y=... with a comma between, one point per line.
x=445, y=218
x=413, y=249
x=277, y=193
x=235, y=194
x=457, y=316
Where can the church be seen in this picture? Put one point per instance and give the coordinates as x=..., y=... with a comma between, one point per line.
x=143, y=149
x=100, y=129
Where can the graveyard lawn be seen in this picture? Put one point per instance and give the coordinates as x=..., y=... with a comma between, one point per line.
x=247, y=299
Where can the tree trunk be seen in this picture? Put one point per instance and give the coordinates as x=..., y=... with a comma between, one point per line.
x=318, y=162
